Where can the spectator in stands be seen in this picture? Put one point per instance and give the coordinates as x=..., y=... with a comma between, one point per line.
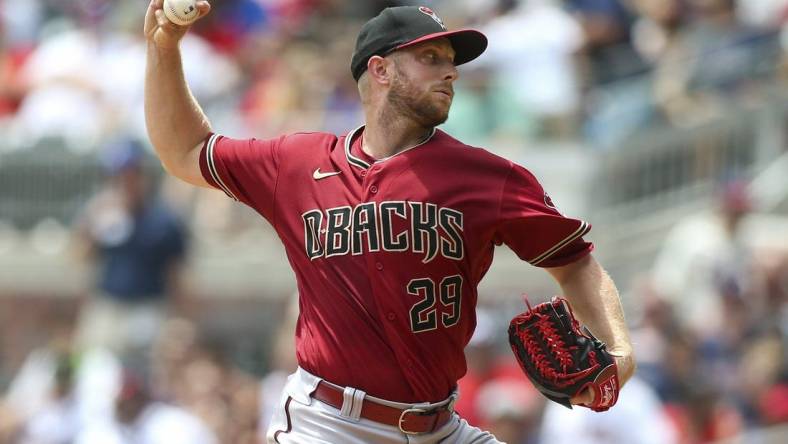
x=40, y=404
x=22, y=29
x=535, y=43
x=608, y=54
x=82, y=81
x=762, y=13
x=703, y=256
x=62, y=98
x=140, y=418
x=638, y=418
x=731, y=356
x=58, y=421
x=201, y=381
x=762, y=371
x=11, y=90
x=616, y=96
x=704, y=415
x=138, y=246
x=657, y=28
x=656, y=337
x=511, y=409
x=342, y=109
x=175, y=346
x=717, y=63
x=774, y=404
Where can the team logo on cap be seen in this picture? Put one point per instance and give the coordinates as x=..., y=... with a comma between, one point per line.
x=431, y=13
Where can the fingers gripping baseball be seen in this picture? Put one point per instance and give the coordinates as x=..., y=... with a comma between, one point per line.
x=163, y=33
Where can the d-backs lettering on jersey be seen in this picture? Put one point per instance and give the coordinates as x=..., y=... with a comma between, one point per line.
x=388, y=254
x=343, y=230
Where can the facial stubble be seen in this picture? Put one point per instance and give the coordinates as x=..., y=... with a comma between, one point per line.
x=406, y=100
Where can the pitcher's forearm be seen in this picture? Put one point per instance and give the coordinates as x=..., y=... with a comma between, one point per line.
x=176, y=123
x=596, y=303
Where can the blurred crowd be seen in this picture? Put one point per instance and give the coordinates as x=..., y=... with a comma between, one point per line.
x=711, y=337
x=712, y=331
x=136, y=364
x=596, y=70
x=186, y=392
x=131, y=364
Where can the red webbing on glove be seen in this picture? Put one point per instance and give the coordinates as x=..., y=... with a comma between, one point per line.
x=560, y=359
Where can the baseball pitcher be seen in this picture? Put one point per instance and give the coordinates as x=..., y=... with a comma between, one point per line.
x=389, y=230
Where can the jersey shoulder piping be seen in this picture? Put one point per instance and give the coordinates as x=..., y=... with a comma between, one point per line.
x=209, y=148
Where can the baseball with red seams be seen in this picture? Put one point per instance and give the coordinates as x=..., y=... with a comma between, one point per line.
x=181, y=12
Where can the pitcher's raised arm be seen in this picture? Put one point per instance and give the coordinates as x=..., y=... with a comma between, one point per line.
x=176, y=124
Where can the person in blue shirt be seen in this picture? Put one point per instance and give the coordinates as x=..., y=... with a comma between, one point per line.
x=137, y=245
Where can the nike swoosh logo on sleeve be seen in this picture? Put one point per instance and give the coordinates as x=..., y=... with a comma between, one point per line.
x=317, y=175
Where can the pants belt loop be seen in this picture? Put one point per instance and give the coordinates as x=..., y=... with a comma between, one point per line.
x=352, y=401
x=452, y=401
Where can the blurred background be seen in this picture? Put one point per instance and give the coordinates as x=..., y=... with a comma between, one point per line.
x=136, y=309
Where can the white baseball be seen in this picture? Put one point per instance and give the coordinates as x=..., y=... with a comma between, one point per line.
x=181, y=12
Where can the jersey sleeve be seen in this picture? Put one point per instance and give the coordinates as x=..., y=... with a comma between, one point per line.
x=533, y=228
x=245, y=169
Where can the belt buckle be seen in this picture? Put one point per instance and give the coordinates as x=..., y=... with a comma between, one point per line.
x=415, y=411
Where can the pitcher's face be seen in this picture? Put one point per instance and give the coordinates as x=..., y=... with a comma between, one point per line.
x=422, y=87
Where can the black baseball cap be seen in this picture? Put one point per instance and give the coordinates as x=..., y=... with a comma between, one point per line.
x=402, y=26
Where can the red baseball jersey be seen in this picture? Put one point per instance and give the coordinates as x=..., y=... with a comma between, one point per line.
x=388, y=253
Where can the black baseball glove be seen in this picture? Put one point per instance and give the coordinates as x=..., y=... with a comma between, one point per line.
x=561, y=360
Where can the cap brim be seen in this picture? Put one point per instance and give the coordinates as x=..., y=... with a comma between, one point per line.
x=467, y=43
